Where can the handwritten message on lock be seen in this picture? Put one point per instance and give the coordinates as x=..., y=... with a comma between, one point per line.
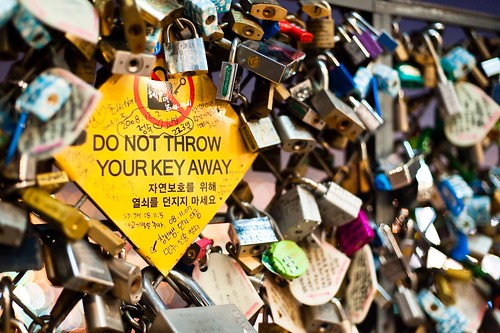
x=159, y=160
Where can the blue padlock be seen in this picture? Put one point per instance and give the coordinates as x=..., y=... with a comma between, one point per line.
x=431, y=305
x=32, y=31
x=387, y=79
x=44, y=96
x=203, y=14
x=461, y=249
x=454, y=191
x=457, y=63
x=363, y=81
x=271, y=28
x=222, y=6
x=479, y=209
x=453, y=321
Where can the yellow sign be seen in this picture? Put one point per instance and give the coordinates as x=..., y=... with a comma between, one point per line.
x=160, y=159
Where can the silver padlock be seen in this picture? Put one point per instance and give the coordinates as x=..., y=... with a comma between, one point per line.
x=272, y=59
x=259, y=134
x=401, y=168
x=250, y=236
x=408, y=307
x=296, y=213
x=294, y=137
x=13, y=224
x=125, y=62
x=76, y=265
x=302, y=91
x=366, y=114
x=102, y=313
x=228, y=83
x=127, y=280
x=329, y=317
x=306, y=113
x=185, y=57
x=212, y=318
x=337, y=205
x=337, y=114
x=445, y=87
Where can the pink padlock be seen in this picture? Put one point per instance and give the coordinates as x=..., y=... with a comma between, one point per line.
x=354, y=235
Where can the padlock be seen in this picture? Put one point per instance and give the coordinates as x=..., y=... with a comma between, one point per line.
x=491, y=67
x=315, y=8
x=26, y=256
x=281, y=93
x=229, y=76
x=329, y=317
x=127, y=280
x=217, y=318
x=75, y=265
x=302, y=111
x=244, y=26
x=242, y=192
x=452, y=321
x=204, y=15
x=125, y=62
x=264, y=9
x=106, y=11
x=337, y=114
x=250, y=236
x=13, y=224
x=197, y=252
x=30, y=29
x=370, y=44
x=402, y=121
x=366, y=114
x=354, y=235
x=400, y=169
x=455, y=191
x=160, y=13
x=341, y=81
x=323, y=31
x=185, y=57
x=336, y=205
x=393, y=264
x=296, y=213
x=66, y=218
x=258, y=134
x=286, y=259
x=273, y=60
x=102, y=313
x=44, y=96
x=408, y=307
x=444, y=290
x=431, y=305
x=302, y=91
x=294, y=137
x=457, y=63
x=446, y=90
x=387, y=79
x=296, y=29
x=105, y=237
x=401, y=52
x=354, y=50
x=262, y=99
x=383, y=37
x=363, y=80
x=133, y=25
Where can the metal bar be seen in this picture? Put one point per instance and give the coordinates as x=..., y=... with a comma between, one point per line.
x=425, y=11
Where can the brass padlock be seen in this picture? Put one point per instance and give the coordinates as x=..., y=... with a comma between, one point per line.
x=185, y=57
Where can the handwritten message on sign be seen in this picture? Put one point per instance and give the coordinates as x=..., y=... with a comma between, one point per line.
x=159, y=160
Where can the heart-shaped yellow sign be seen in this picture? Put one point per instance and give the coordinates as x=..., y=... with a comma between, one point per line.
x=160, y=159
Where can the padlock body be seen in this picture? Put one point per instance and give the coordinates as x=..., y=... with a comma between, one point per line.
x=252, y=236
x=304, y=112
x=322, y=318
x=294, y=137
x=354, y=235
x=186, y=57
x=337, y=114
x=368, y=116
x=449, y=98
x=102, y=313
x=13, y=224
x=338, y=206
x=75, y=265
x=408, y=307
x=323, y=33
x=129, y=63
x=296, y=213
x=259, y=134
x=371, y=45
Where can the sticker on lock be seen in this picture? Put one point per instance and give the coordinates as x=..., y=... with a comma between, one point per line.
x=161, y=170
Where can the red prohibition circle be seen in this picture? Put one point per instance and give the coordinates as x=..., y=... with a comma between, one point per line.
x=165, y=123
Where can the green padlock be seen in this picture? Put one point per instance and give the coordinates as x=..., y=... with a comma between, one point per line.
x=286, y=258
x=410, y=76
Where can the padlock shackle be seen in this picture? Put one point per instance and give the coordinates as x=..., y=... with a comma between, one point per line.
x=6, y=286
x=150, y=299
x=365, y=23
x=189, y=288
x=430, y=46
